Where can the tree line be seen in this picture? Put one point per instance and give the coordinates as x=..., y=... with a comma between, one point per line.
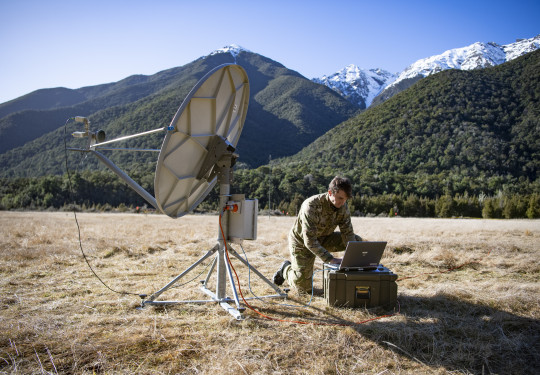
x=276, y=191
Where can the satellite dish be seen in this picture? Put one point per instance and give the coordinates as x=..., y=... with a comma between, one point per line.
x=197, y=151
x=208, y=122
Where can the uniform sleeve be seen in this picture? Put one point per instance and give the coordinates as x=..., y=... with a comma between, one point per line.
x=309, y=234
x=345, y=225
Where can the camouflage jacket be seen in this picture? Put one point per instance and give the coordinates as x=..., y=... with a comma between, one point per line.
x=318, y=218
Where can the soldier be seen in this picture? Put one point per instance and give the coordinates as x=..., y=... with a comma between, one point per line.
x=313, y=234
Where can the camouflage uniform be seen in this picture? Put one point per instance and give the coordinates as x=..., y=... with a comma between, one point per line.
x=313, y=235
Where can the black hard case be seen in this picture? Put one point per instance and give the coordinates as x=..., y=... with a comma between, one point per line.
x=360, y=288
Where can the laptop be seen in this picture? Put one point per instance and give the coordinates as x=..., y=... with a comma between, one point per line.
x=360, y=256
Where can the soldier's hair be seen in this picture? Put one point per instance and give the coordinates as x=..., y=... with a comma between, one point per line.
x=341, y=183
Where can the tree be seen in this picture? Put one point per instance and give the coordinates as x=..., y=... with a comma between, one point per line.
x=533, y=211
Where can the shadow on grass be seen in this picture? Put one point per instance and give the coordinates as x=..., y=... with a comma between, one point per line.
x=445, y=331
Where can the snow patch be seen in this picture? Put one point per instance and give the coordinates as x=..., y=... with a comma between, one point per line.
x=360, y=86
x=233, y=49
x=476, y=56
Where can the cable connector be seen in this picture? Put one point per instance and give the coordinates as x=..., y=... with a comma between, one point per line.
x=231, y=206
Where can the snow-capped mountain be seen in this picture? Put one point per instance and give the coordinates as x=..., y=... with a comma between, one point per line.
x=521, y=47
x=359, y=86
x=233, y=49
x=364, y=87
x=373, y=86
x=476, y=56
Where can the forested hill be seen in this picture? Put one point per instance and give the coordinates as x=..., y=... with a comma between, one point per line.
x=456, y=132
x=286, y=113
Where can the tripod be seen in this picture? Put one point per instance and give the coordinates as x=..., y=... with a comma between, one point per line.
x=220, y=263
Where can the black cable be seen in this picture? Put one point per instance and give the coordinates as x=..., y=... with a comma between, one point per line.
x=70, y=191
x=187, y=282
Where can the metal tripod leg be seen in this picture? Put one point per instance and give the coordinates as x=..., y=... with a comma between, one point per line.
x=256, y=271
x=219, y=295
x=233, y=287
x=151, y=299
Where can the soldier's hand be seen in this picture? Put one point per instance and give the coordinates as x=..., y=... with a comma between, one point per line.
x=335, y=261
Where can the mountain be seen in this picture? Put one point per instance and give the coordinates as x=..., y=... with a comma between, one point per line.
x=364, y=87
x=286, y=113
x=476, y=56
x=40, y=112
x=456, y=132
x=359, y=86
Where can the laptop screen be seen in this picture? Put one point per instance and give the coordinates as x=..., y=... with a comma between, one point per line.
x=362, y=255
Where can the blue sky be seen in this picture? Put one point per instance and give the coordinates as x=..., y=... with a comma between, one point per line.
x=76, y=43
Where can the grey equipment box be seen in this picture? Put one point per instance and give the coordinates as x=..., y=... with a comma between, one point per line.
x=360, y=288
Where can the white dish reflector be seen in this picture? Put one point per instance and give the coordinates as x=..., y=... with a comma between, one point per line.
x=216, y=106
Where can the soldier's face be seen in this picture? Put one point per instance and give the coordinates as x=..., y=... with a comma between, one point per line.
x=338, y=199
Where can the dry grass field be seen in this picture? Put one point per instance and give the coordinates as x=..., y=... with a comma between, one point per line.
x=57, y=318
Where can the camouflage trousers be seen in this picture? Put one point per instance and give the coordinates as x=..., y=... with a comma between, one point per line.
x=299, y=274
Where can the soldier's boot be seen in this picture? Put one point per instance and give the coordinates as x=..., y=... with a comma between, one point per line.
x=278, y=278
